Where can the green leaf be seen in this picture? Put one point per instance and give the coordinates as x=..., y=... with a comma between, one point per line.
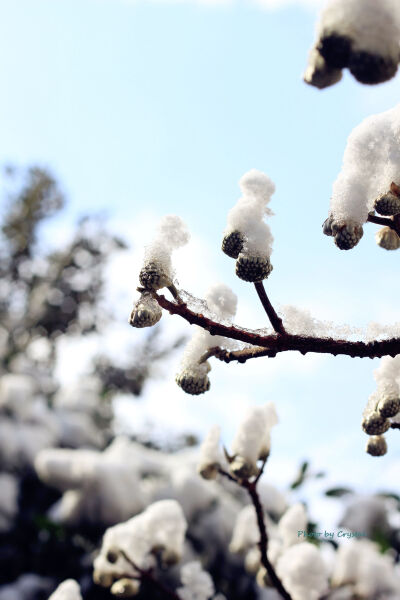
x=338, y=492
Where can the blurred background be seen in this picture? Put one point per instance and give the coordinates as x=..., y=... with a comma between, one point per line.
x=114, y=113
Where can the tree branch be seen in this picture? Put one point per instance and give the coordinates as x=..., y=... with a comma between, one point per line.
x=275, y=321
x=251, y=487
x=263, y=543
x=147, y=575
x=272, y=344
x=392, y=223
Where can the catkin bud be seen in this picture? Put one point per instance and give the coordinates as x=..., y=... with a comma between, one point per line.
x=371, y=68
x=125, y=588
x=263, y=578
x=103, y=579
x=242, y=468
x=327, y=226
x=335, y=49
x=347, y=236
x=252, y=561
x=153, y=276
x=232, y=243
x=146, y=312
x=376, y=445
x=387, y=238
x=375, y=424
x=253, y=268
x=194, y=380
x=388, y=204
x=388, y=407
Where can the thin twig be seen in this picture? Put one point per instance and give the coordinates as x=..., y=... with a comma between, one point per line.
x=283, y=343
x=275, y=321
x=261, y=471
x=147, y=575
x=251, y=487
x=263, y=543
x=392, y=223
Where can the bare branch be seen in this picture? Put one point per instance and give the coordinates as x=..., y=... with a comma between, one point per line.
x=147, y=575
x=281, y=343
x=275, y=321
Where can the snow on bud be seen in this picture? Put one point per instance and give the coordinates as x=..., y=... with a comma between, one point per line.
x=362, y=36
x=245, y=533
x=157, y=270
x=371, y=162
x=210, y=458
x=318, y=73
x=303, y=572
x=257, y=184
x=247, y=237
x=146, y=311
x=293, y=521
x=197, y=583
x=251, y=441
x=67, y=590
x=193, y=378
x=160, y=528
x=387, y=376
x=221, y=301
x=359, y=563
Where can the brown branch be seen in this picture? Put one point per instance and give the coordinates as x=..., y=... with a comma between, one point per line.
x=387, y=222
x=251, y=487
x=273, y=343
x=263, y=543
x=241, y=356
x=147, y=575
x=275, y=321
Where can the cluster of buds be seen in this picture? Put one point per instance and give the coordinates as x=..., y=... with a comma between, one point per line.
x=250, y=445
x=131, y=548
x=247, y=238
x=346, y=235
x=361, y=36
x=376, y=421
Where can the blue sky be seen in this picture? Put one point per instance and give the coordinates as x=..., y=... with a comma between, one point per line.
x=145, y=108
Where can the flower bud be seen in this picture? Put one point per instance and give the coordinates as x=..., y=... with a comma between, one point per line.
x=388, y=407
x=242, y=468
x=335, y=49
x=376, y=445
x=232, y=244
x=372, y=68
x=194, y=380
x=253, y=268
x=388, y=204
x=125, y=588
x=387, y=238
x=102, y=578
x=153, y=276
x=146, y=312
x=375, y=424
x=347, y=236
